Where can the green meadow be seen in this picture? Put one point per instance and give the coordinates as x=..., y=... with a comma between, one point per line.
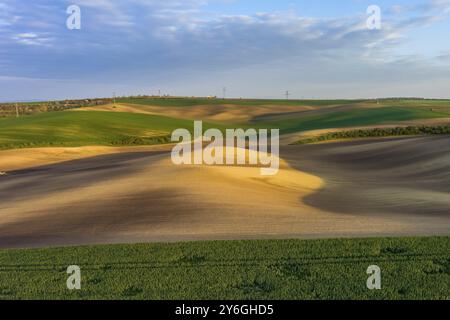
x=411, y=268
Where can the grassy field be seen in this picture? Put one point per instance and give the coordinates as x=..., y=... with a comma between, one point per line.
x=88, y=128
x=412, y=268
x=352, y=118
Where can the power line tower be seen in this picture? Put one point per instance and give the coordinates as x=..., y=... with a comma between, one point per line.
x=287, y=95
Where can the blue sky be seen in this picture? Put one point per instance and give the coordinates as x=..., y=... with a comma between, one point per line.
x=255, y=48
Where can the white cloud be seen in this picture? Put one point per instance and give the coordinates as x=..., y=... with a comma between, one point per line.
x=32, y=39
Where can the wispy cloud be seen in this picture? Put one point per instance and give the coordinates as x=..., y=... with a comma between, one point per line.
x=32, y=39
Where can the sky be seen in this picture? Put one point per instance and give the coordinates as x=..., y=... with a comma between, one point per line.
x=255, y=48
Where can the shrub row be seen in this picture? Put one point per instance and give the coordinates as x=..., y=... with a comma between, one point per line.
x=378, y=132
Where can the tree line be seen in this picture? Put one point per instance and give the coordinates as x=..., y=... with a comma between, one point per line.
x=378, y=132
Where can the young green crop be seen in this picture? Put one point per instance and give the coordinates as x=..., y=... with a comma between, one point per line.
x=81, y=128
x=351, y=118
x=411, y=268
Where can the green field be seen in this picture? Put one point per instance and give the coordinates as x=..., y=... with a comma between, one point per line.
x=352, y=118
x=411, y=268
x=190, y=102
x=82, y=128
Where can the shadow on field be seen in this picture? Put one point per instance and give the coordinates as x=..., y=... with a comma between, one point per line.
x=93, y=221
x=379, y=176
x=68, y=175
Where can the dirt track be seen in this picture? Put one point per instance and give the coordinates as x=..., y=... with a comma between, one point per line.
x=394, y=186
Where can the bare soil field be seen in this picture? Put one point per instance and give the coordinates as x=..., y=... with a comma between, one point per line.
x=376, y=187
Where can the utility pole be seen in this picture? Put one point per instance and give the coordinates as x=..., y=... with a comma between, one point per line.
x=114, y=99
x=287, y=95
x=17, y=110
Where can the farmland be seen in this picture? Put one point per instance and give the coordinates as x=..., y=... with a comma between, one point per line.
x=244, y=151
x=70, y=129
x=191, y=102
x=351, y=118
x=150, y=121
x=95, y=186
x=412, y=268
x=378, y=132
